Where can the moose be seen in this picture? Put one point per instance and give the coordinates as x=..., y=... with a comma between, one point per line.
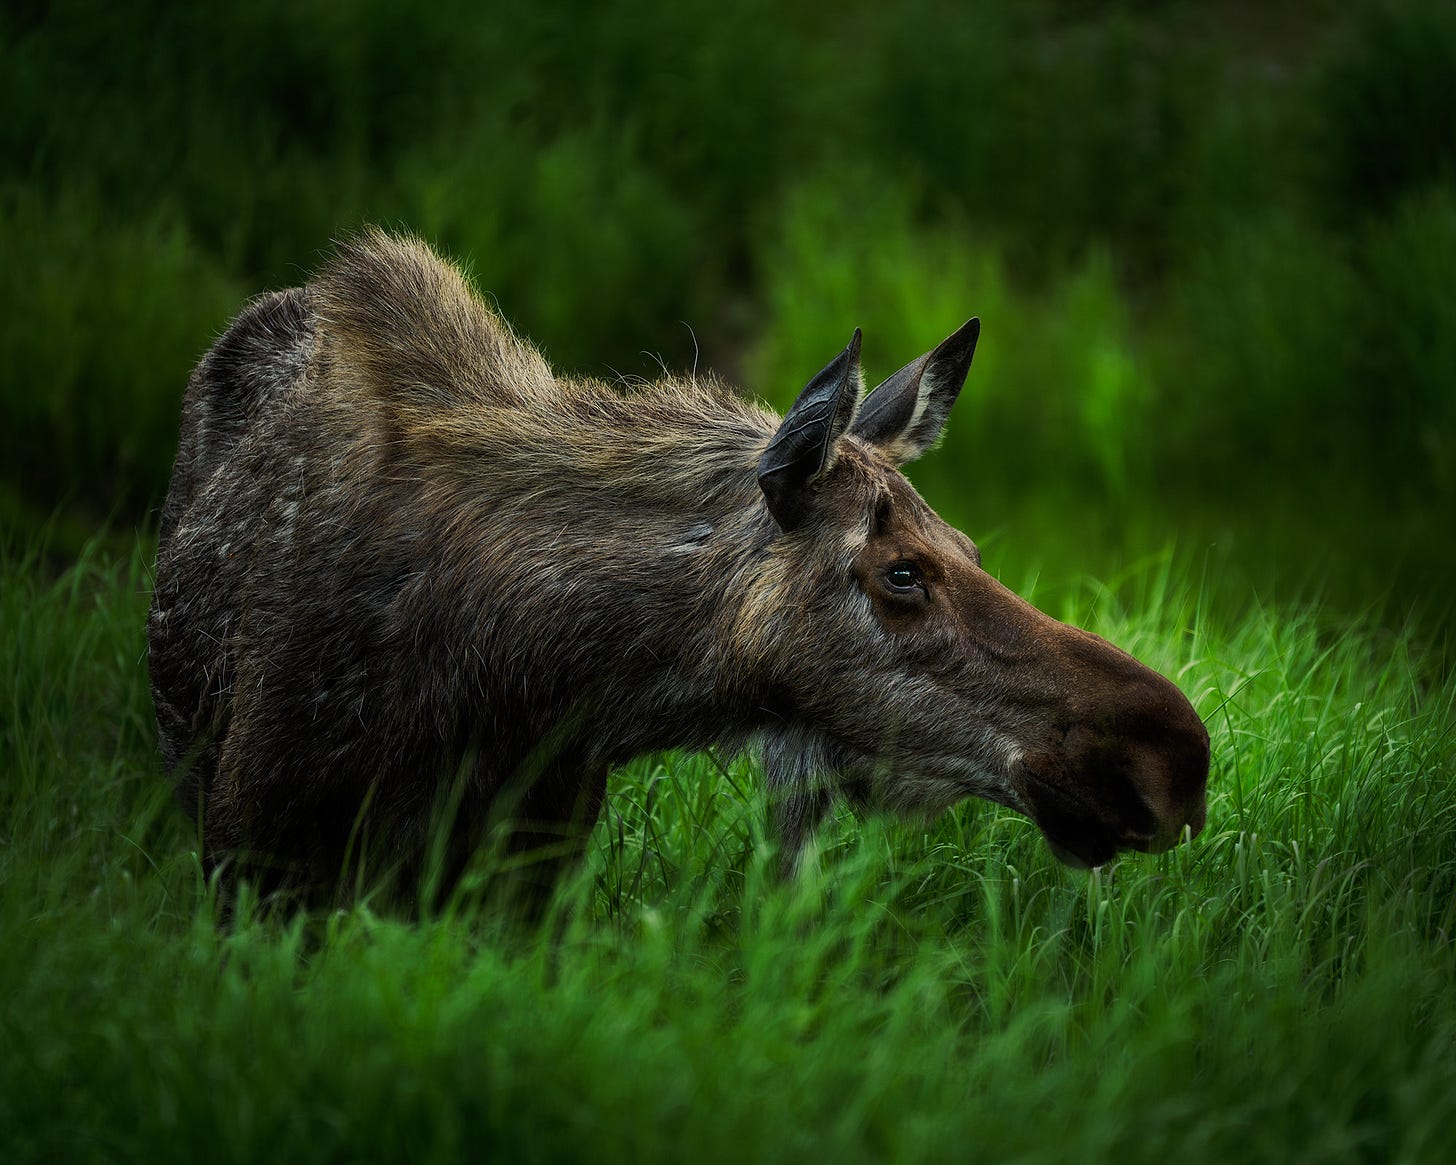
x=415, y=591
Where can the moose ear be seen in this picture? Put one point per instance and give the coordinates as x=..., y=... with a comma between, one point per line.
x=803, y=448
x=904, y=415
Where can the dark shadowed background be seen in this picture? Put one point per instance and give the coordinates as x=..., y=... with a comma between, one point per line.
x=1213, y=245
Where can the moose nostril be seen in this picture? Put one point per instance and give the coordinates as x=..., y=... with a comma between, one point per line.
x=1180, y=827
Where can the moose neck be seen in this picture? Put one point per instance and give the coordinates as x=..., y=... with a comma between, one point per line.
x=625, y=529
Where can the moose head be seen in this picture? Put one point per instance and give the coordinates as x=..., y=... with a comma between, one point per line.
x=929, y=681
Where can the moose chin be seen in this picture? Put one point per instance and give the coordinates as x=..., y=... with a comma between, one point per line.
x=415, y=593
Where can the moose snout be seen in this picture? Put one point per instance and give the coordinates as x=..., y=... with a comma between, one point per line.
x=1129, y=774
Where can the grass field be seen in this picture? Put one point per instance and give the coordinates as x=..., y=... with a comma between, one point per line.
x=1282, y=990
x=1213, y=247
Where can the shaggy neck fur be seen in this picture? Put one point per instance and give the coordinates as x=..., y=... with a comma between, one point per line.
x=626, y=526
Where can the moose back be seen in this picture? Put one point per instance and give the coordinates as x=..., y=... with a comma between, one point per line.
x=411, y=584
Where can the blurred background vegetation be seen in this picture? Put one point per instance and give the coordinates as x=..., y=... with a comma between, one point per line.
x=1213, y=245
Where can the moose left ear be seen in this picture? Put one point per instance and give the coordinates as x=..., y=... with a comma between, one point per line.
x=803, y=448
x=904, y=415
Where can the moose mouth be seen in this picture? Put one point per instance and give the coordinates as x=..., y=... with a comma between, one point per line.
x=1080, y=833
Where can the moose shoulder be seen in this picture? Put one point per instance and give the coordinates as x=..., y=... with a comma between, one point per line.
x=406, y=574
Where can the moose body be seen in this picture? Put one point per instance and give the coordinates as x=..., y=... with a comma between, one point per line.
x=407, y=575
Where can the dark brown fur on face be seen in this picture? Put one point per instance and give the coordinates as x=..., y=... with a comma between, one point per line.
x=407, y=576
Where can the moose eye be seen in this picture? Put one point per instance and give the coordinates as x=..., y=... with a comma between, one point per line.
x=903, y=577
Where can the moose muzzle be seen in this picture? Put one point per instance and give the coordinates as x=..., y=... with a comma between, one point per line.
x=1124, y=764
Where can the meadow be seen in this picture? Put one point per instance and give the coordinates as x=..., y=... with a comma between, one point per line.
x=1281, y=990
x=1212, y=418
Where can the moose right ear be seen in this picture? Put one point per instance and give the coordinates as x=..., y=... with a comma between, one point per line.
x=903, y=416
x=803, y=448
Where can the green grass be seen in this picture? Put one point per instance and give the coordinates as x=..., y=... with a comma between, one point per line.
x=1282, y=990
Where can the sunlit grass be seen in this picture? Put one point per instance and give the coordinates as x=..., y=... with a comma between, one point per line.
x=1281, y=989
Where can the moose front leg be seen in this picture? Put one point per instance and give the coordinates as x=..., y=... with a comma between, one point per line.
x=550, y=826
x=798, y=772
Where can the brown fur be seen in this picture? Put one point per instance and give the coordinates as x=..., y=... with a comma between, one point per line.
x=405, y=573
